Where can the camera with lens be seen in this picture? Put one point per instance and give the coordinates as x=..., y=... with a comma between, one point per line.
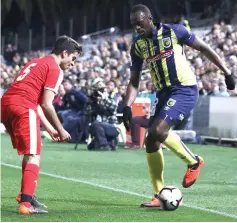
x=93, y=108
x=96, y=94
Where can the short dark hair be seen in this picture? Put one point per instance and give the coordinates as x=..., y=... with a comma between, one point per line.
x=113, y=81
x=66, y=43
x=142, y=8
x=67, y=80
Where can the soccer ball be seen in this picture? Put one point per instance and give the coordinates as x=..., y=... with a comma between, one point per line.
x=170, y=198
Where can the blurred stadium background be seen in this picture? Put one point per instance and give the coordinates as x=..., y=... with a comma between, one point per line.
x=119, y=180
x=29, y=29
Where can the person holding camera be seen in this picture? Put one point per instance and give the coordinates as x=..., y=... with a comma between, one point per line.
x=103, y=130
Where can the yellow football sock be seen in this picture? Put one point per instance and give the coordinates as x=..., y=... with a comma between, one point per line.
x=156, y=168
x=174, y=143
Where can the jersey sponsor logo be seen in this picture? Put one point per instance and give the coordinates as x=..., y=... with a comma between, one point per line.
x=166, y=42
x=160, y=56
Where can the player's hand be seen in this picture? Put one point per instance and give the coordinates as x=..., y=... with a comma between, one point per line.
x=54, y=135
x=230, y=82
x=127, y=117
x=64, y=135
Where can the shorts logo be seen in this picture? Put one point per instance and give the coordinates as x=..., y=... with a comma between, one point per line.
x=171, y=102
x=166, y=42
x=181, y=117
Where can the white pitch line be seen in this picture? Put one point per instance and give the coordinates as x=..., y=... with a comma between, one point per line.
x=121, y=191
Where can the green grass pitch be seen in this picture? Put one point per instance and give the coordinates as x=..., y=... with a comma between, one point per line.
x=109, y=186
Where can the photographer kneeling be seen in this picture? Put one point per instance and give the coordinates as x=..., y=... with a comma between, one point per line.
x=103, y=130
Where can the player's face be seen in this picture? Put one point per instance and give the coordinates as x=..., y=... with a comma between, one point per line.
x=68, y=60
x=141, y=23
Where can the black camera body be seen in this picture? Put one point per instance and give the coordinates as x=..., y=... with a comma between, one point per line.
x=92, y=107
x=95, y=93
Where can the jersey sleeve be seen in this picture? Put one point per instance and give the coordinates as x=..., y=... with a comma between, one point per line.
x=136, y=60
x=184, y=36
x=53, y=80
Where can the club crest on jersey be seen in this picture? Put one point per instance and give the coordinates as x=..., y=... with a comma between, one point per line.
x=166, y=42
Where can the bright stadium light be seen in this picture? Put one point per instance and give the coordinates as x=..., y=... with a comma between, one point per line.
x=112, y=29
x=84, y=37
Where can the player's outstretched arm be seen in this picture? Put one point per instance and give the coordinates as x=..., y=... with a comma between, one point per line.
x=131, y=94
x=46, y=124
x=207, y=51
x=136, y=67
x=132, y=89
x=50, y=113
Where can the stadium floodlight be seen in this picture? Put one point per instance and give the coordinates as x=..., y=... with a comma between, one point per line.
x=112, y=29
x=85, y=37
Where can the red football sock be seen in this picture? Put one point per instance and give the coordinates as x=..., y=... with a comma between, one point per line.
x=29, y=182
x=23, y=166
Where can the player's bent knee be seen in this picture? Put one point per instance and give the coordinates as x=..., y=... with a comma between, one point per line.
x=151, y=145
x=32, y=159
x=160, y=133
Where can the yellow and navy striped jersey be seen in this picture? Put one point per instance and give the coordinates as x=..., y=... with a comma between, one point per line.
x=164, y=55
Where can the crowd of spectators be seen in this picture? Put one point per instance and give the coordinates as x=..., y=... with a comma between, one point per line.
x=223, y=39
x=110, y=61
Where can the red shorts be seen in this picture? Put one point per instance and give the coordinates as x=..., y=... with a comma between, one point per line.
x=23, y=125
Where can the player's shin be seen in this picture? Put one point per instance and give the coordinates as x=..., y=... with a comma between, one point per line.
x=156, y=167
x=23, y=165
x=175, y=144
x=29, y=179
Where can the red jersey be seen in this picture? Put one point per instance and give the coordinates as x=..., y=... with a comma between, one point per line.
x=28, y=86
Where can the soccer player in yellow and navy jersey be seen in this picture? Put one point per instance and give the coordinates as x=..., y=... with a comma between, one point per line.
x=161, y=46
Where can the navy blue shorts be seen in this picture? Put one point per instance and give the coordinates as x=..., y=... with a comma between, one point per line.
x=174, y=104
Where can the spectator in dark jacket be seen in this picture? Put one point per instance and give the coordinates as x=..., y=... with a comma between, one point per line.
x=74, y=101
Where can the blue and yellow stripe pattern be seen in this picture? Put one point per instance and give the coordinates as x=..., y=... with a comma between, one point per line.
x=164, y=56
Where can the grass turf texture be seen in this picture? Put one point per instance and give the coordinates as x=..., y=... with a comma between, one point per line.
x=113, y=177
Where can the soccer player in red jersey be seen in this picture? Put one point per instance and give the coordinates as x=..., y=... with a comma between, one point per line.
x=28, y=103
